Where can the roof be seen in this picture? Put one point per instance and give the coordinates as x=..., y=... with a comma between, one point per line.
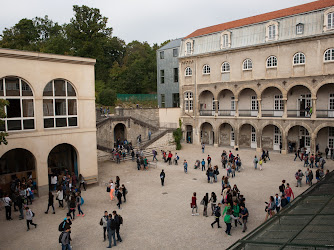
x=264, y=17
x=172, y=44
x=306, y=223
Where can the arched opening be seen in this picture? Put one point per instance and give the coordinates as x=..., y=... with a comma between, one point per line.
x=17, y=165
x=247, y=136
x=298, y=137
x=207, y=133
x=272, y=104
x=248, y=104
x=63, y=158
x=226, y=135
x=189, y=134
x=325, y=138
x=226, y=103
x=299, y=102
x=206, y=103
x=271, y=138
x=325, y=101
x=119, y=134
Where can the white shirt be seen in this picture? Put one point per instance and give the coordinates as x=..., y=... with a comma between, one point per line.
x=60, y=195
x=54, y=180
x=112, y=186
x=7, y=201
x=28, y=191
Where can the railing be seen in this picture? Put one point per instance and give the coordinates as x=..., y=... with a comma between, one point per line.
x=226, y=112
x=248, y=112
x=322, y=113
x=207, y=112
x=271, y=113
x=302, y=113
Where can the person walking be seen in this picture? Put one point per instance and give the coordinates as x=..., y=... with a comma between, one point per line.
x=29, y=215
x=79, y=203
x=203, y=147
x=205, y=203
x=124, y=192
x=260, y=163
x=119, y=198
x=118, y=219
x=8, y=207
x=209, y=160
x=277, y=201
x=104, y=224
x=162, y=177
x=310, y=177
x=244, y=216
x=270, y=208
x=185, y=166
x=193, y=204
x=299, y=176
x=112, y=189
x=176, y=159
x=60, y=197
x=255, y=161
x=289, y=192
x=82, y=182
x=19, y=203
x=72, y=206
x=154, y=155
x=65, y=239
x=213, y=200
x=227, y=220
x=217, y=214
x=169, y=158
x=50, y=203
x=111, y=229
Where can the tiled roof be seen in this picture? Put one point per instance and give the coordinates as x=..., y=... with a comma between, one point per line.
x=264, y=17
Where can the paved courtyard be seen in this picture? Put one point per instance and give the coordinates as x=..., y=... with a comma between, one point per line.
x=158, y=217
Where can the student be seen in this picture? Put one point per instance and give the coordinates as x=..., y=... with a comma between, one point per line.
x=162, y=177
x=203, y=147
x=255, y=161
x=111, y=228
x=60, y=197
x=236, y=212
x=217, y=215
x=118, y=221
x=213, y=201
x=288, y=192
x=193, y=204
x=244, y=216
x=82, y=182
x=72, y=206
x=203, y=164
x=50, y=203
x=78, y=201
x=8, y=204
x=185, y=166
x=29, y=215
x=19, y=204
x=176, y=159
x=112, y=189
x=260, y=163
x=284, y=201
x=205, y=203
x=104, y=224
x=277, y=201
x=65, y=239
x=124, y=192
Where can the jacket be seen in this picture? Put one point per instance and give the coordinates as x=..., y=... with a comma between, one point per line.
x=65, y=240
x=277, y=201
x=111, y=225
x=29, y=215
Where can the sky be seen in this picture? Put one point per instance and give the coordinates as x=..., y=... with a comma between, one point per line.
x=154, y=21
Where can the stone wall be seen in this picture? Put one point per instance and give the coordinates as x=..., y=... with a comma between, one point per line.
x=150, y=116
x=167, y=141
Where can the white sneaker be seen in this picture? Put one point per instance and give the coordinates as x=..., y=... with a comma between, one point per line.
x=192, y=214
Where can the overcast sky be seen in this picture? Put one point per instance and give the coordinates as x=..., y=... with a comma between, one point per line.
x=153, y=21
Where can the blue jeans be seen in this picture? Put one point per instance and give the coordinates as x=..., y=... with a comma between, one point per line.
x=79, y=209
x=66, y=247
x=111, y=233
x=203, y=150
x=185, y=169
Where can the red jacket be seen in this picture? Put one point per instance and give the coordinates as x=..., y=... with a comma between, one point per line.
x=193, y=201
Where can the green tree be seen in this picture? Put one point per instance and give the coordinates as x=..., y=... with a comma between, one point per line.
x=107, y=97
x=177, y=134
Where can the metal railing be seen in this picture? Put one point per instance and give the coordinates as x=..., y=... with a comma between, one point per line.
x=272, y=113
x=207, y=112
x=302, y=113
x=248, y=112
x=226, y=112
x=323, y=113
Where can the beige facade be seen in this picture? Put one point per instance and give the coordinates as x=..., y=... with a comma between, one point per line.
x=51, y=115
x=266, y=95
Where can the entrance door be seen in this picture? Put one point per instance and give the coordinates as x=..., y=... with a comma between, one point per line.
x=232, y=138
x=189, y=134
x=305, y=141
x=277, y=138
x=253, y=138
x=254, y=106
x=331, y=105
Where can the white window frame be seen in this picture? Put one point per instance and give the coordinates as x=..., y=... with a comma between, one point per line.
x=67, y=98
x=189, y=47
x=177, y=52
x=162, y=55
x=188, y=71
x=329, y=19
x=271, y=62
x=330, y=137
x=299, y=58
x=254, y=103
x=271, y=31
x=21, y=98
x=225, y=67
x=278, y=103
x=247, y=64
x=329, y=55
x=253, y=134
x=232, y=134
x=277, y=136
x=225, y=40
x=299, y=29
x=232, y=103
x=188, y=101
x=164, y=100
x=206, y=69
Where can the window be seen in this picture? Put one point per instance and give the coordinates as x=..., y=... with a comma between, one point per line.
x=278, y=102
x=225, y=40
x=188, y=101
x=162, y=76
x=188, y=48
x=176, y=100
x=232, y=103
x=60, y=104
x=162, y=54
x=225, y=67
x=253, y=135
x=277, y=136
x=329, y=55
x=176, y=75
x=20, y=111
x=272, y=62
x=330, y=20
x=247, y=64
x=254, y=103
x=163, y=101
x=206, y=69
x=175, y=52
x=232, y=134
x=189, y=71
x=299, y=28
x=271, y=32
x=299, y=59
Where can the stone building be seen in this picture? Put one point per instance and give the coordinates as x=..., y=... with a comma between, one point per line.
x=261, y=82
x=50, y=118
x=168, y=75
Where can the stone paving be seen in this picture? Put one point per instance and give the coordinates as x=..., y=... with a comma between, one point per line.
x=158, y=217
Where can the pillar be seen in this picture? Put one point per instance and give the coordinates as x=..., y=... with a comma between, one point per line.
x=259, y=115
x=216, y=107
x=258, y=141
x=42, y=176
x=236, y=139
x=313, y=144
x=314, y=108
x=285, y=107
x=236, y=103
x=216, y=136
x=284, y=150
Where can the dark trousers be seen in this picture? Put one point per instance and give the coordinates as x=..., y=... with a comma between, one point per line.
x=29, y=199
x=203, y=167
x=118, y=236
x=111, y=233
x=124, y=196
x=83, y=184
x=61, y=203
x=216, y=221
x=162, y=181
x=8, y=212
x=73, y=212
x=31, y=223
x=228, y=228
x=119, y=202
x=50, y=205
x=79, y=209
x=277, y=209
x=104, y=233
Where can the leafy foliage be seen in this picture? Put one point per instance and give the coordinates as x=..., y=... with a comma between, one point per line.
x=107, y=97
x=177, y=134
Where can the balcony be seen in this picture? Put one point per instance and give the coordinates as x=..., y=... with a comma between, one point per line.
x=272, y=113
x=301, y=113
x=248, y=112
x=226, y=112
x=322, y=113
x=207, y=112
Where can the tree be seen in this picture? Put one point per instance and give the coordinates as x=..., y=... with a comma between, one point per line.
x=107, y=97
x=3, y=134
x=177, y=134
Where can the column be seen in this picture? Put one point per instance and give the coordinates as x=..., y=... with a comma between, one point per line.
x=258, y=141
x=236, y=139
x=216, y=107
x=216, y=136
x=259, y=115
x=285, y=106
x=313, y=144
x=314, y=108
x=284, y=144
x=236, y=103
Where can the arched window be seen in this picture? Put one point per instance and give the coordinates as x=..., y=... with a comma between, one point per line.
x=299, y=59
x=206, y=69
x=272, y=62
x=188, y=101
x=225, y=67
x=59, y=104
x=189, y=71
x=329, y=55
x=247, y=64
x=20, y=111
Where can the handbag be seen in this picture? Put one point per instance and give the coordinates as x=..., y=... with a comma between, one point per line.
x=202, y=202
x=108, y=189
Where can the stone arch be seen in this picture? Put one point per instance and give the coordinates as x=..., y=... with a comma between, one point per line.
x=299, y=100
x=266, y=123
x=304, y=84
x=239, y=91
x=120, y=132
x=248, y=122
x=206, y=103
x=246, y=138
x=24, y=79
x=326, y=80
x=297, y=138
x=207, y=135
x=226, y=102
x=323, y=136
x=321, y=126
x=298, y=123
x=274, y=85
x=271, y=139
x=226, y=134
x=226, y=89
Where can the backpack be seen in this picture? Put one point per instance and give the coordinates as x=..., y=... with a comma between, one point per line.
x=281, y=188
x=61, y=237
x=120, y=220
x=61, y=226
x=297, y=176
x=101, y=222
x=33, y=214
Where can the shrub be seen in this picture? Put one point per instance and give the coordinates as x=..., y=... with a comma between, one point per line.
x=107, y=97
x=177, y=134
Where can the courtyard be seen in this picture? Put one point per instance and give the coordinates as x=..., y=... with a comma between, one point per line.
x=157, y=217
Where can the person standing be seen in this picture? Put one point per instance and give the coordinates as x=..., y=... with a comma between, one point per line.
x=149, y=134
x=209, y=160
x=289, y=192
x=260, y=163
x=205, y=203
x=213, y=200
x=227, y=220
x=118, y=219
x=310, y=177
x=19, y=203
x=326, y=152
x=277, y=201
x=124, y=192
x=217, y=215
x=162, y=177
x=111, y=228
x=112, y=189
x=29, y=215
x=236, y=212
x=65, y=239
x=176, y=159
x=60, y=197
x=104, y=224
x=72, y=207
x=203, y=147
x=203, y=164
x=185, y=166
x=255, y=161
x=119, y=198
x=299, y=176
x=244, y=216
x=82, y=182
x=193, y=204
x=282, y=187
x=50, y=203
x=8, y=204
